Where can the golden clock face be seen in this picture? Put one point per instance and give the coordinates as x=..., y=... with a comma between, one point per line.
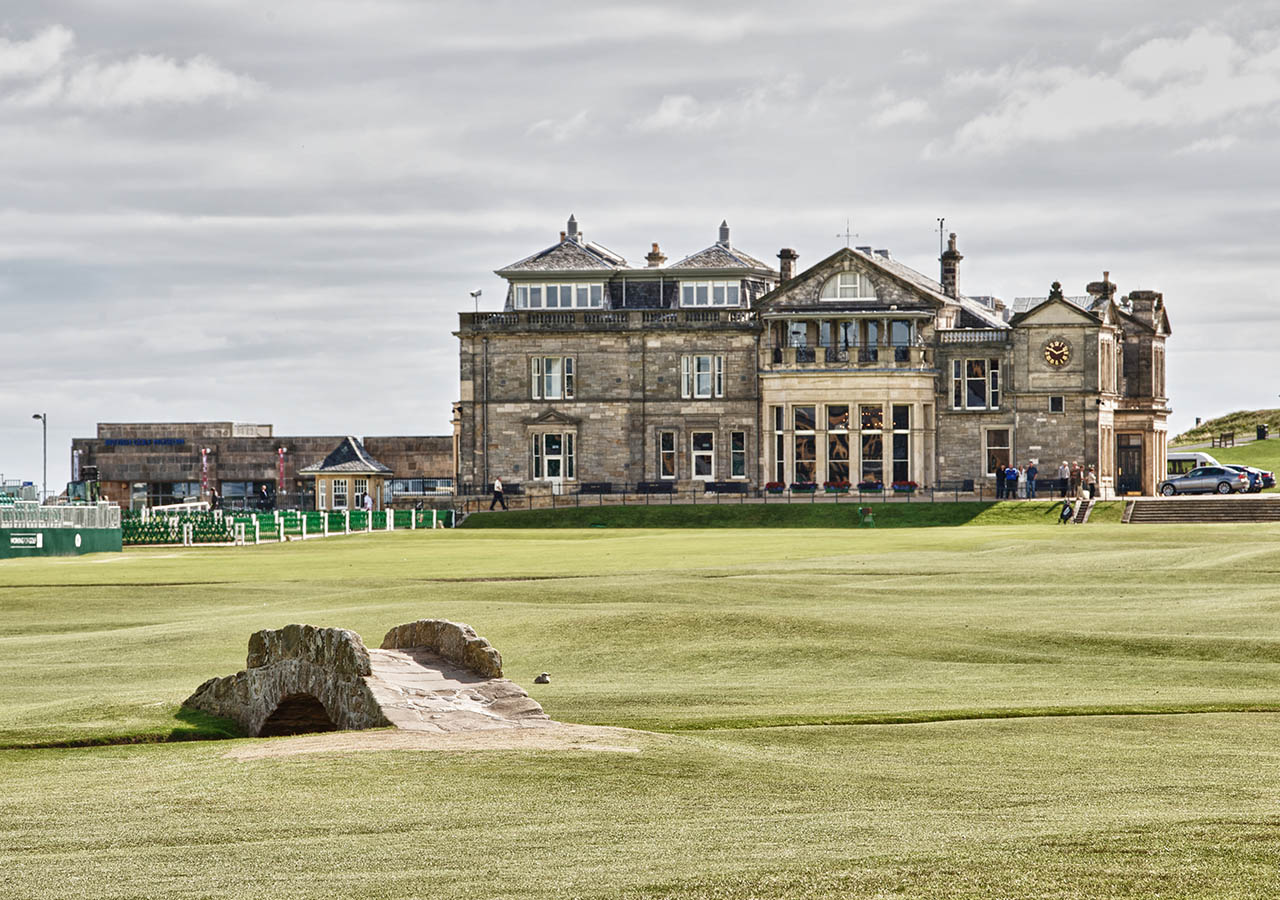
x=1057, y=352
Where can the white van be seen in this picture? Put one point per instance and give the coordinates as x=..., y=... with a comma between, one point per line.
x=1182, y=463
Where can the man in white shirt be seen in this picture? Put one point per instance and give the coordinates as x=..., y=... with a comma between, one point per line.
x=368, y=503
x=497, y=494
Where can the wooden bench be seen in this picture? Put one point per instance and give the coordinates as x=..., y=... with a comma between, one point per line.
x=1226, y=439
x=596, y=487
x=655, y=487
x=726, y=487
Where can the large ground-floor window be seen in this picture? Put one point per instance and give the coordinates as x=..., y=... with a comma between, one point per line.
x=845, y=442
x=703, y=446
x=553, y=455
x=667, y=455
x=997, y=449
x=737, y=454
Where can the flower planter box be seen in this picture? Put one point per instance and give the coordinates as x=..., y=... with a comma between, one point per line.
x=904, y=487
x=904, y=490
x=774, y=487
x=804, y=488
x=870, y=487
x=836, y=490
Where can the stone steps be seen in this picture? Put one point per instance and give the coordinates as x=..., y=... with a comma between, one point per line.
x=1223, y=510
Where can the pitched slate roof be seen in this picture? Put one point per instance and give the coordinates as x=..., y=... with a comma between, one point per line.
x=721, y=256
x=349, y=456
x=568, y=256
x=1025, y=304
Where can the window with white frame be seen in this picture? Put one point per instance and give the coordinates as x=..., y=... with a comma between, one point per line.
x=321, y=497
x=871, y=424
x=848, y=286
x=779, y=445
x=553, y=455
x=709, y=293
x=975, y=384
x=805, y=444
x=339, y=493
x=901, y=422
x=552, y=377
x=559, y=296
x=667, y=455
x=703, y=447
x=361, y=488
x=997, y=450
x=837, y=442
x=737, y=454
x=701, y=377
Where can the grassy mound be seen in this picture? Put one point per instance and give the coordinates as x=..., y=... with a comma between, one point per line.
x=1241, y=422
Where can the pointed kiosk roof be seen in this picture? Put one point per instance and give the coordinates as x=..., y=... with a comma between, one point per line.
x=723, y=255
x=573, y=253
x=348, y=457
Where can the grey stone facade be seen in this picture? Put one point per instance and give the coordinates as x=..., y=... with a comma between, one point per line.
x=858, y=334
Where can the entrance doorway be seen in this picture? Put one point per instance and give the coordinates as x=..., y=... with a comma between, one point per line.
x=1129, y=464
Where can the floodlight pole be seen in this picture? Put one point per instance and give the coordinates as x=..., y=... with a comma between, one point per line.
x=44, y=483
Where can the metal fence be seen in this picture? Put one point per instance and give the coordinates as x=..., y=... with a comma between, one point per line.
x=29, y=514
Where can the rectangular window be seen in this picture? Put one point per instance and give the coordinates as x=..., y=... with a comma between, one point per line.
x=737, y=454
x=558, y=296
x=702, y=377
x=777, y=418
x=704, y=463
x=975, y=384
x=993, y=376
x=709, y=293
x=551, y=377
x=339, y=493
x=806, y=458
x=957, y=384
x=997, y=449
x=901, y=442
x=537, y=456
x=569, y=456
x=805, y=419
x=838, y=417
x=871, y=418
x=361, y=488
x=667, y=455
x=1057, y=404
x=837, y=456
x=321, y=495
x=553, y=455
x=780, y=458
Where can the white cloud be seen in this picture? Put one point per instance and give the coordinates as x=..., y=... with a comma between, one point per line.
x=25, y=59
x=680, y=112
x=907, y=111
x=1210, y=145
x=560, y=130
x=139, y=80
x=1164, y=83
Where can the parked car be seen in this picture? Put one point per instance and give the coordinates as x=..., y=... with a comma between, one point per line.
x=1258, y=479
x=1205, y=480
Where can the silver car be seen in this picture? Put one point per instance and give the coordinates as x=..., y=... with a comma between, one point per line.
x=1205, y=480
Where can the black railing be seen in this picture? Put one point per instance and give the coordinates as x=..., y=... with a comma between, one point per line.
x=806, y=354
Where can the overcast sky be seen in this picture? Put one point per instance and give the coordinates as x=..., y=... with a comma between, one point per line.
x=272, y=212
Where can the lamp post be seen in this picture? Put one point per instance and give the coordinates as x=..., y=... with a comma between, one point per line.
x=44, y=484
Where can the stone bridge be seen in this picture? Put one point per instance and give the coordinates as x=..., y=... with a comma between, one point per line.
x=429, y=675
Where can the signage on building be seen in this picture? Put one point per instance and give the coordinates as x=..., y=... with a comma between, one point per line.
x=31, y=541
x=145, y=442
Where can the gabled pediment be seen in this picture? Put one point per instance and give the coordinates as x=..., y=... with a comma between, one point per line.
x=552, y=417
x=1055, y=311
x=889, y=278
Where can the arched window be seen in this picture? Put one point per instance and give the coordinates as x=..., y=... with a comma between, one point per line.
x=848, y=286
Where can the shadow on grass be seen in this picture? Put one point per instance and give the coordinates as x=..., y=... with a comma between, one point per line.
x=189, y=725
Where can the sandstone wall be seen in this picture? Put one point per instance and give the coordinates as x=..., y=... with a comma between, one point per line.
x=455, y=642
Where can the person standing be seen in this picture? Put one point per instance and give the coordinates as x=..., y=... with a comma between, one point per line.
x=999, y=470
x=497, y=494
x=1075, y=479
x=1011, y=482
x=1064, y=476
x=368, y=502
x=1032, y=471
x=1091, y=483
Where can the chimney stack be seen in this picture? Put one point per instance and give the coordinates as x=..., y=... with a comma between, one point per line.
x=724, y=234
x=655, y=258
x=1103, y=290
x=572, y=230
x=1145, y=305
x=950, y=260
x=787, y=258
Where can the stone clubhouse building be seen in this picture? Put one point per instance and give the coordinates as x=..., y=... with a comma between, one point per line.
x=719, y=368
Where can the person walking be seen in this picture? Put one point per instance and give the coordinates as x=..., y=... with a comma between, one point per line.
x=1032, y=471
x=1011, y=482
x=497, y=494
x=368, y=502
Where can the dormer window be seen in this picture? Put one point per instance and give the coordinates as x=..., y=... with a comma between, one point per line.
x=848, y=286
x=559, y=296
x=708, y=293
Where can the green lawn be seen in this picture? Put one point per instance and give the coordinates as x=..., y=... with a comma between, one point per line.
x=1259, y=454
x=1092, y=712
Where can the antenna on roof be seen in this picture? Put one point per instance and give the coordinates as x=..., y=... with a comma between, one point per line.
x=848, y=234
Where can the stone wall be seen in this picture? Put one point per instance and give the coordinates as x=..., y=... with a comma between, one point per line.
x=456, y=642
x=329, y=664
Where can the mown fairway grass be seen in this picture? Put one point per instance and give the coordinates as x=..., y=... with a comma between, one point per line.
x=714, y=640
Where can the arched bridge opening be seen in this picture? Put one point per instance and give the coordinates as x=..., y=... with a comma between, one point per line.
x=297, y=714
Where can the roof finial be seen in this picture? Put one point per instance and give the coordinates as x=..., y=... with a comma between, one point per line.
x=1055, y=291
x=724, y=233
x=572, y=229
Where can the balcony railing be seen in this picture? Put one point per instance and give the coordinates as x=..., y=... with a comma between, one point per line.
x=617, y=319
x=971, y=335
x=892, y=356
